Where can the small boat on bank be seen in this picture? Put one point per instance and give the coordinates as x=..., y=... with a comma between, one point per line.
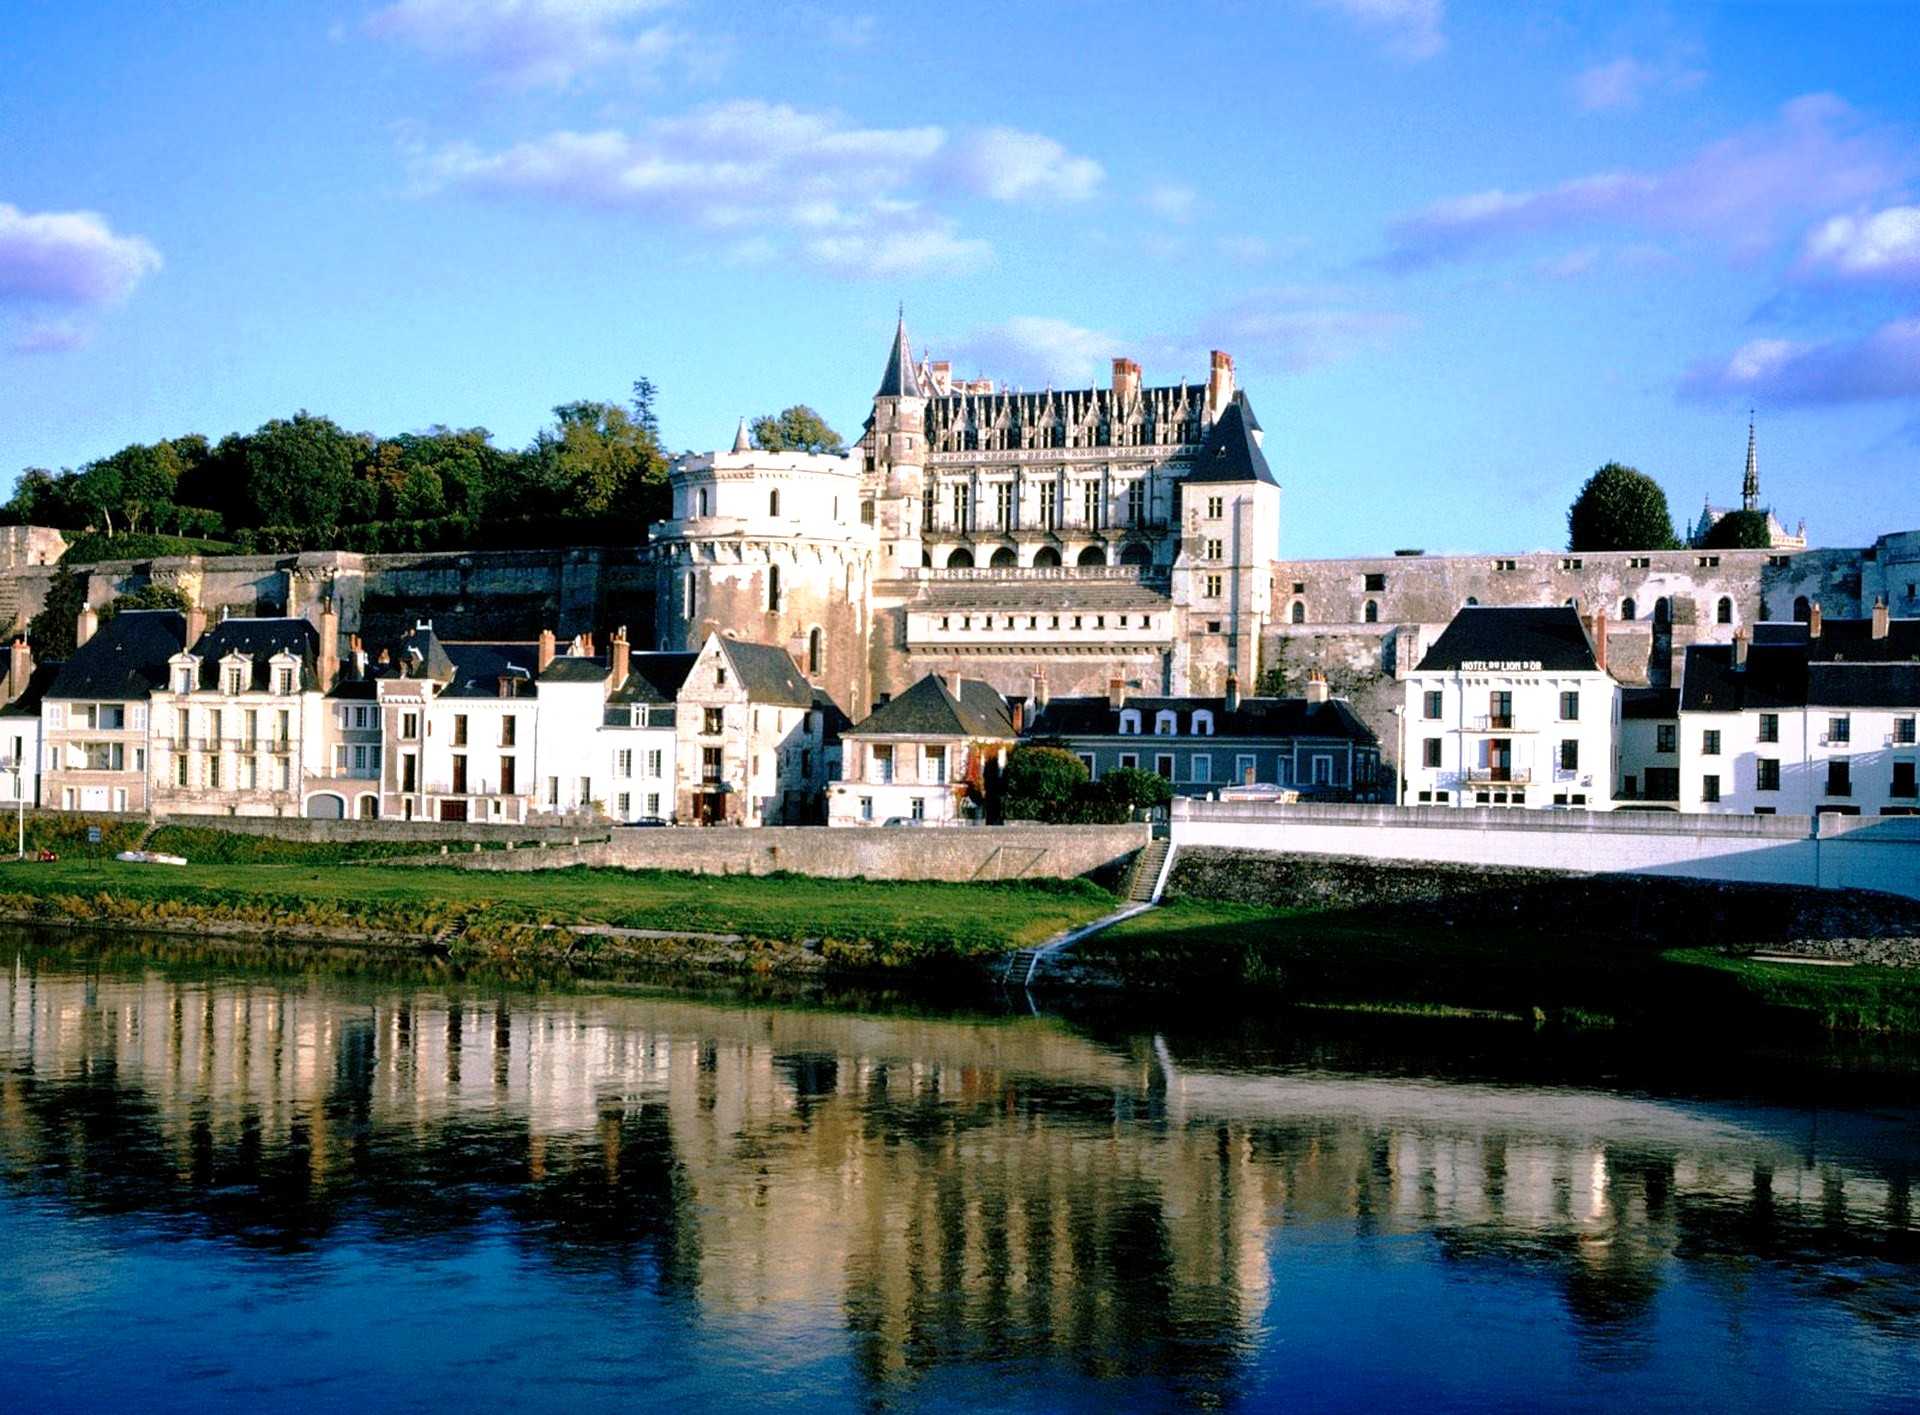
x=149, y=857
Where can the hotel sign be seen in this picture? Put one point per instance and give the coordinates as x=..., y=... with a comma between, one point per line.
x=1500, y=665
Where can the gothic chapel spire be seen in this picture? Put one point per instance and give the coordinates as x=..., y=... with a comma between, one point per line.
x=1750, y=488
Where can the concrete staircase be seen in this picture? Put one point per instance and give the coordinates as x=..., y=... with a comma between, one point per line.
x=1019, y=968
x=1144, y=879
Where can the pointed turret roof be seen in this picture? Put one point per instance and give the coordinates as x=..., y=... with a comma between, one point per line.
x=741, y=443
x=1233, y=452
x=899, y=381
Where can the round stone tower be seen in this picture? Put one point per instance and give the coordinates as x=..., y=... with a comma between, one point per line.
x=895, y=448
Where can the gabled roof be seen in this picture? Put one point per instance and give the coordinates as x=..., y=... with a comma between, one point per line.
x=476, y=669
x=768, y=674
x=574, y=668
x=1775, y=676
x=899, y=380
x=929, y=709
x=1253, y=717
x=1852, y=641
x=1231, y=452
x=259, y=641
x=126, y=658
x=422, y=655
x=1554, y=638
x=28, y=703
x=655, y=677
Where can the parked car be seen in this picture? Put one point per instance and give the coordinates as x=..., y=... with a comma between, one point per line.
x=646, y=823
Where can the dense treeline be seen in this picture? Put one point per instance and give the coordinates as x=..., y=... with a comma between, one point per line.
x=597, y=474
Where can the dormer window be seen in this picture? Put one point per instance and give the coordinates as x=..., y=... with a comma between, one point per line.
x=1166, y=724
x=1129, y=722
x=183, y=680
x=283, y=680
x=1203, y=723
x=234, y=679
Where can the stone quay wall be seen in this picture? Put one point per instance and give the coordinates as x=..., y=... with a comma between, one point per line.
x=1824, y=852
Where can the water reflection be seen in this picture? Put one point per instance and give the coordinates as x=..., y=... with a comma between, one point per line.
x=927, y=1199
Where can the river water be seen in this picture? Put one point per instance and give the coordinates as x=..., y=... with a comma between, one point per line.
x=224, y=1186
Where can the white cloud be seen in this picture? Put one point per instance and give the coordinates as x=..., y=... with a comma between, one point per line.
x=1171, y=201
x=69, y=258
x=1033, y=350
x=1880, y=365
x=1008, y=165
x=1300, y=327
x=1623, y=83
x=1412, y=30
x=535, y=43
x=1883, y=245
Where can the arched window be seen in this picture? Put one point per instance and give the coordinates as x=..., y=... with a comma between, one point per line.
x=773, y=587
x=1203, y=723
x=1629, y=611
x=773, y=502
x=1136, y=554
x=692, y=595
x=960, y=560
x=1005, y=556
x=1372, y=612
x=816, y=649
x=1663, y=610
x=1093, y=555
x=1298, y=614
x=1802, y=609
x=1129, y=722
x=1166, y=724
x=703, y=501
x=1046, y=558
x=1723, y=612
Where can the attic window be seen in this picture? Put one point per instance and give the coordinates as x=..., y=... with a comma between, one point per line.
x=1129, y=722
x=233, y=681
x=720, y=675
x=1165, y=724
x=1203, y=723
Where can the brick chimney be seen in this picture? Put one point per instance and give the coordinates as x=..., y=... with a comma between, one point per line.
x=956, y=684
x=1219, y=383
x=546, y=650
x=196, y=624
x=1317, y=689
x=1880, y=618
x=19, y=668
x=1813, y=622
x=357, y=655
x=1126, y=381
x=1019, y=718
x=329, y=645
x=1233, y=692
x=1116, y=693
x=1600, y=638
x=1740, y=650
x=85, y=626
x=622, y=659
x=1039, y=690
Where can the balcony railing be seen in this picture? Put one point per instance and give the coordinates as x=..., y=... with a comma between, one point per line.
x=1493, y=722
x=1500, y=775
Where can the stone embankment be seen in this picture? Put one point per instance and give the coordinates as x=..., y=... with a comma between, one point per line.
x=1842, y=925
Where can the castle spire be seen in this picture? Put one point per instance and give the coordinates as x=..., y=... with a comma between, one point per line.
x=1750, y=488
x=899, y=381
x=741, y=442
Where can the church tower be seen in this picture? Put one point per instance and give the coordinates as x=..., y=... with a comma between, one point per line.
x=898, y=446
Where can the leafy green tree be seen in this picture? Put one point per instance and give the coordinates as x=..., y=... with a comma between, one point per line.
x=298, y=471
x=1129, y=788
x=1620, y=508
x=1040, y=783
x=1739, y=530
x=595, y=461
x=51, y=631
x=796, y=429
x=153, y=595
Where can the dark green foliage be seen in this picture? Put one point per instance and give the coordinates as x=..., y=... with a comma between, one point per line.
x=91, y=546
x=1041, y=784
x=1739, y=530
x=1620, y=508
x=150, y=596
x=1129, y=788
x=796, y=429
x=51, y=631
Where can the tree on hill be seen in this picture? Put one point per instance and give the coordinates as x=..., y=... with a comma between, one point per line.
x=1620, y=508
x=796, y=429
x=1739, y=530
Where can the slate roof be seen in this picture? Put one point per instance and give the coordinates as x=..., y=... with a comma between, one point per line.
x=1231, y=453
x=1852, y=641
x=259, y=640
x=126, y=658
x=1264, y=718
x=899, y=380
x=1863, y=685
x=28, y=703
x=654, y=678
x=1649, y=704
x=478, y=668
x=929, y=709
x=1554, y=638
x=575, y=668
x=769, y=674
x=1775, y=677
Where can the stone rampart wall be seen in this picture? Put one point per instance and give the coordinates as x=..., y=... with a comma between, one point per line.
x=1827, y=852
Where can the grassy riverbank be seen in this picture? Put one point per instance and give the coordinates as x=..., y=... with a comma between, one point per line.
x=1317, y=958
x=775, y=920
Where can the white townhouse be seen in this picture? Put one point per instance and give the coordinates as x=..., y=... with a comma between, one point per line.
x=1511, y=707
x=751, y=733
x=93, y=719
x=605, y=740
x=457, y=729
x=1813, y=718
x=20, y=726
x=930, y=754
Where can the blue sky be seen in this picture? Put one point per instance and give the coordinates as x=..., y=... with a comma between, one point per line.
x=1462, y=254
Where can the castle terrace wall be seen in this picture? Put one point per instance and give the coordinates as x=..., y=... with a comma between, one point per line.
x=943, y=853
x=1826, y=852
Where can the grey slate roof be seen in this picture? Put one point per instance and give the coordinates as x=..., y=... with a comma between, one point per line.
x=899, y=380
x=1264, y=718
x=1231, y=453
x=259, y=640
x=126, y=658
x=574, y=668
x=769, y=674
x=1649, y=704
x=1864, y=685
x=1554, y=638
x=1775, y=677
x=478, y=668
x=655, y=678
x=929, y=709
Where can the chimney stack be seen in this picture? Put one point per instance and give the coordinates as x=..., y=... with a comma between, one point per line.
x=1039, y=690
x=357, y=654
x=1600, y=638
x=546, y=650
x=1219, y=384
x=1233, y=692
x=85, y=625
x=329, y=645
x=1880, y=618
x=622, y=659
x=1740, y=650
x=1317, y=689
x=956, y=685
x=1116, y=693
x=1813, y=622
x=19, y=668
x=1126, y=381
x=1019, y=718
x=196, y=624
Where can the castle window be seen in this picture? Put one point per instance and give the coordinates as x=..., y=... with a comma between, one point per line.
x=1216, y=507
x=773, y=502
x=1213, y=586
x=1802, y=609
x=1724, y=611
x=959, y=494
x=1215, y=550
x=1090, y=505
x=1629, y=610
x=773, y=587
x=1472, y=600
x=866, y=513
x=1165, y=724
x=1129, y=722
x=1049, y=507
x=1371, y=614
x=1298, y=614
x=1137, y=504
x=816, y=650
x=1376, y=583
x=1003, y=504
x=703, y=501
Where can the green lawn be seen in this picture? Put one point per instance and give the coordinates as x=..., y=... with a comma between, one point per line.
x=1300, y=957
x=864, y=922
